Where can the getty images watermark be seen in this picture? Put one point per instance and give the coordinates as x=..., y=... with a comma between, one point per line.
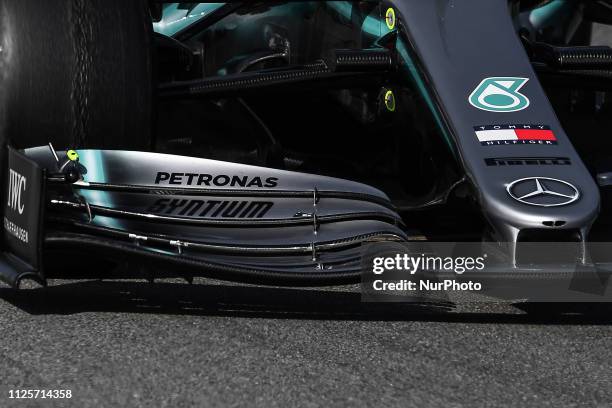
x=409, y=264
x=543, y=272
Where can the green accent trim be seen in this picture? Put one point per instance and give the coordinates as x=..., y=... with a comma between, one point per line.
x=544, y=15
x=390, y=19
x=175, y=19
x=72, y=155
x=390, y=101
x=92, y=160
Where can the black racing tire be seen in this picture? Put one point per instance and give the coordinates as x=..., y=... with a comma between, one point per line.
x=77, y=73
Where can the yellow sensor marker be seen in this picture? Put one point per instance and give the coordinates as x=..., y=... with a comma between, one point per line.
x=390, y=101
x=390, y=18
x=72, y=155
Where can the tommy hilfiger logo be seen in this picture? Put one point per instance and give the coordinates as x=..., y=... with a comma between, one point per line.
x=495, y=135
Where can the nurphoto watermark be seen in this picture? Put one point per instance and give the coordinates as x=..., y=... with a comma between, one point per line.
x=482, y=271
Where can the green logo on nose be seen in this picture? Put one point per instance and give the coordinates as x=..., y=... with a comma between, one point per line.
x=500, y=94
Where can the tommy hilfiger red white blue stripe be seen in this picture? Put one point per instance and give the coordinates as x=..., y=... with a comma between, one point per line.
x=494, y=135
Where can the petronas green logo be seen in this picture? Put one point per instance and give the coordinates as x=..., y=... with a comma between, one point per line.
x=500, y=94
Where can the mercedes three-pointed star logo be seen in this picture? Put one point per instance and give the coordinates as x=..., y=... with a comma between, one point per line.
x=543, y=191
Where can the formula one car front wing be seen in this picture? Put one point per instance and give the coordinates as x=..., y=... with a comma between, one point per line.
x=206, y=217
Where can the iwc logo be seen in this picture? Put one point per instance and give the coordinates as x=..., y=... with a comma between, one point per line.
x=16, y=187
x=543, y=192
x=500, y=94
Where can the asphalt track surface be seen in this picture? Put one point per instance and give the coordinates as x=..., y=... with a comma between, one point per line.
x=212, y=344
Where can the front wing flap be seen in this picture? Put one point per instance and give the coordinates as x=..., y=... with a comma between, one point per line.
x=207, y=218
